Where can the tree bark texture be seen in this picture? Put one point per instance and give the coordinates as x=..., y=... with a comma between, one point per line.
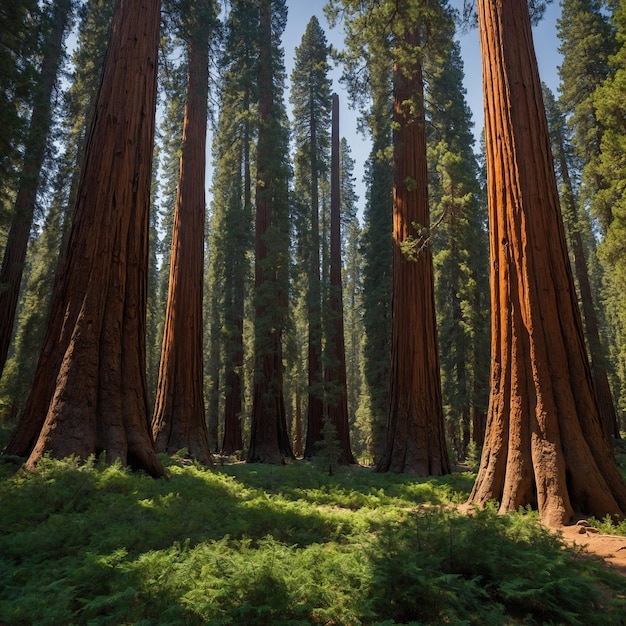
x=269, y=437
x=179, y=420
x=336, y=372
x=35, y=148
x=544, y=444
x=415, y=426
x=89, y=393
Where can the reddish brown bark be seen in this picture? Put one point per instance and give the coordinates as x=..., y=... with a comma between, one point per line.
x=89, y=393
x=336, y=372
x=19, y=232
x=269, y=437
x=415, y=427
x=544, y=444
x=179, y=420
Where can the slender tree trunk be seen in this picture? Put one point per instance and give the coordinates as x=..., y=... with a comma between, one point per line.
x=179, y=420
x=544, y=444
x=336, y=372
x=269, y=437
x=314, y=302
x=234, y=311
x=35, y=148
x=297, y=435
x=89, y=394
x=415, y=428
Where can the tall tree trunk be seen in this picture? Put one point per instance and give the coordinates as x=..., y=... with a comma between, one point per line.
x=235, y=308
x=35, y=148
x=544, y=444
x=314, y=304
x=269, y=437
x=179, y=419
x=89, y=394
x=336, y=372
x=415, y=427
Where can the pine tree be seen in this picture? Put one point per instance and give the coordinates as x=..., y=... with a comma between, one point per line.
x=544, y=445
x=269, y=438
x=311, y=99
x=89, y=394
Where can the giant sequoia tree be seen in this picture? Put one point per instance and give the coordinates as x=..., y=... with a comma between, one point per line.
x=89, y=394
x=544, y=444
x=415, y=430
x=179, y=416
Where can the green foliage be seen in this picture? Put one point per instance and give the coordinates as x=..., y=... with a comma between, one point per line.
x=328, y=449
x=252, y=544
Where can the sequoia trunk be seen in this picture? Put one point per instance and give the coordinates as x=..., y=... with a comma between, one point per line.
x=89, y=393
x=179, y=420
x=415, y=427
x=544, y=444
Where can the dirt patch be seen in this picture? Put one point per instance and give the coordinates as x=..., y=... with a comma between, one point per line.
x=610, y=548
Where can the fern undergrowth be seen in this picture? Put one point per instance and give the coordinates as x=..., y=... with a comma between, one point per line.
x=81, y=543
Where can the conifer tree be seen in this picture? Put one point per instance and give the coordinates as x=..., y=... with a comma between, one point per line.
x=231, y=230
x=335, y=374
x=575, y=226
x=89, y=394
x=311, y=99
x=460, y=244
x=368, y=75
x=544, y=445
x=45, y=258
x=587, y=41
x=269, y=438
x=19, y=47
x=179, y=414
x=610, y=200
x=353, y=296
x=54, y=27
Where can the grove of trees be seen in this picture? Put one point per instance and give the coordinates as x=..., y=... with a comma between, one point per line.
x=473, y=309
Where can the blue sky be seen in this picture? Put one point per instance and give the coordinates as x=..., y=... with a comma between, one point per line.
x=301, y=11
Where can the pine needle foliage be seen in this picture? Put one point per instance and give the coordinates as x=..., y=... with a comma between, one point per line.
x=83, y=543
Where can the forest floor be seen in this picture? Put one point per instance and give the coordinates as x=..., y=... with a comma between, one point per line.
x=609, y=548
